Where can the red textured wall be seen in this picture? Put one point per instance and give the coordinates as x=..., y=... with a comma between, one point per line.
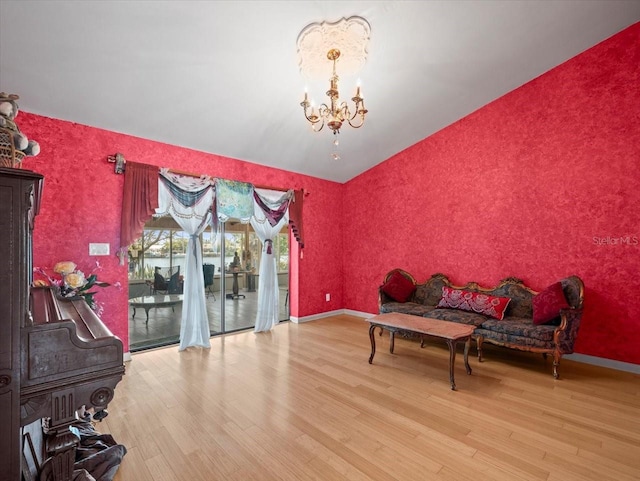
x=538, y=185
x=83, y=197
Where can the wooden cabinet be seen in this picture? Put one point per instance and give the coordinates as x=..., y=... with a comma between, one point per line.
x=19, y=203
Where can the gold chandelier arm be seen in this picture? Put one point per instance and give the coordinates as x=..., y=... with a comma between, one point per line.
x=344, y=111
x=356, y=126
x=312, y=118
x=335, y=112
x=324, y=111
x=362, y=112
x=313, y=126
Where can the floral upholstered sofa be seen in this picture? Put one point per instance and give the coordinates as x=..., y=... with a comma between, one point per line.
x=509, y=314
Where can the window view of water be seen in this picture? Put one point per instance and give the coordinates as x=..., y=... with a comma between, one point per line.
x=166, y=248
x=180, y=260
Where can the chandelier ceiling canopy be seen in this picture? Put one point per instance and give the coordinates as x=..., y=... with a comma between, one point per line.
x=349, y=35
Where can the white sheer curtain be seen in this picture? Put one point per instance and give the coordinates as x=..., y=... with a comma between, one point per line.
x=194, y=328
x=268, y=295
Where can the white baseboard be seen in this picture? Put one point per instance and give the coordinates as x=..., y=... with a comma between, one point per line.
x=337, y=312
x=584, y=358
x=364, y=315
x=603, y=362
x=315, y=317
x=126, y=356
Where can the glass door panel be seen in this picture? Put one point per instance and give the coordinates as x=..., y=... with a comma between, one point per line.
x=231, y=279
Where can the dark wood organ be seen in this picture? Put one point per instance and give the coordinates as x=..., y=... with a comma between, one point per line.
x=56, y=354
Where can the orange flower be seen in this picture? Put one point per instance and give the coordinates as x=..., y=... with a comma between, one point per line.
x=64, y=268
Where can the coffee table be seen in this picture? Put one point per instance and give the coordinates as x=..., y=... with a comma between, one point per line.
x=158, y=300
x=451, y=332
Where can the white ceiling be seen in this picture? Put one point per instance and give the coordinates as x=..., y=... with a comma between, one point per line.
x=221, y=76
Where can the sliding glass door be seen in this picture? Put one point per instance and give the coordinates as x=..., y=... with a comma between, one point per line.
x=231, y=270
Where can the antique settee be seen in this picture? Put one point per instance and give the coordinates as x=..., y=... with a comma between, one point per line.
x=509, y=314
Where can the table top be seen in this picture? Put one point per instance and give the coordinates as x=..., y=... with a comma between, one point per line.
x=156, y=300
x=423, y=325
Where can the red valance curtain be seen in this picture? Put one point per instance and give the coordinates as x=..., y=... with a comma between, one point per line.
x=139, y=200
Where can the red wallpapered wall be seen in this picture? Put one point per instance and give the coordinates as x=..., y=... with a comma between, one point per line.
x=539, y=184
x=83, y=197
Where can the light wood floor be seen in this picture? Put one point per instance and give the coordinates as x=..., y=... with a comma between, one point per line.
x=302, y=403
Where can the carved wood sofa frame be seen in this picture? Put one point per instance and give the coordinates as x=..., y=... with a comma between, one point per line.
x=562, y=336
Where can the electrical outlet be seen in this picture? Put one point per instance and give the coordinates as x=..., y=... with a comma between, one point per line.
x=99, y=249
x=328, y=297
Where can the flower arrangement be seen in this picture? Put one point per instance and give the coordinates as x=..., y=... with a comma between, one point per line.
x=72, y=282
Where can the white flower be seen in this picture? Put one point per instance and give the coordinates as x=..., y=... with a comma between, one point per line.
x=74, y=280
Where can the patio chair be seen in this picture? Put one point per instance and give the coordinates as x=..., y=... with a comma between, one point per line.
x=160, y=284
x=208, y=271
x=174, y=286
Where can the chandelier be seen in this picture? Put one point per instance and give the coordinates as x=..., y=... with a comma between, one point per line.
x=335, y=113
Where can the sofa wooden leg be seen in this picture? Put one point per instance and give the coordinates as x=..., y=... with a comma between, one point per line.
x=556, y=363
x=479, y=340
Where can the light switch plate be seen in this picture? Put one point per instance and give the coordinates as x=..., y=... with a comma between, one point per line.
x=99, y=249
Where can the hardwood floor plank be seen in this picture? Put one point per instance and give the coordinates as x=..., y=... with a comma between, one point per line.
x=321, y=471
x=509, y=467
x=178, y=463
x=340, y=448
x=137, y=467
x=261, y=452
x=302, y=403
x=326, y=457
x=510, y=452
x=159, y=469
x=583, y=467
x=612, y=465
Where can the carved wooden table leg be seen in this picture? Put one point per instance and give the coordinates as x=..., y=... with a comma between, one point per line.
x=372, y=336
x=452, y=360
x=392, y=340
x=467, y=345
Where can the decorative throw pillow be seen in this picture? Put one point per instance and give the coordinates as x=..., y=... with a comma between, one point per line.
x=474, y=302
x=547, y=304
x=398, y=287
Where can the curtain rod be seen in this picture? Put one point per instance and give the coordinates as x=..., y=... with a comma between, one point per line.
x=191, y=174
x=120, y=162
